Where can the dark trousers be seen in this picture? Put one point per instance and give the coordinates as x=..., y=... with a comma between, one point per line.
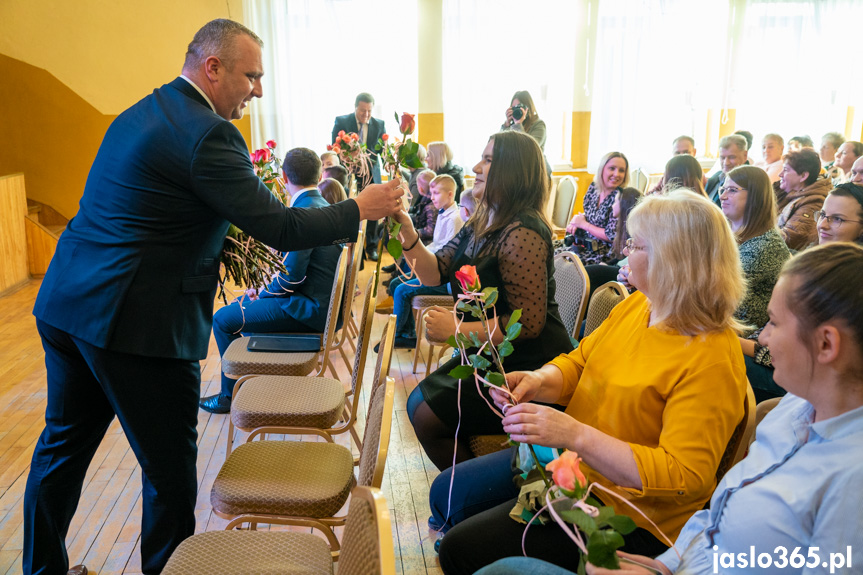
x=156, y=401
x=482, y=497
x=264, y=315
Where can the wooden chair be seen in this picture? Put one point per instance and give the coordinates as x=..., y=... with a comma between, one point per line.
x=572, y=287
x=368, y=547
x=344, y=337
x=738, y=445
x=239, y=363
x=640, y=180
x=302, y=405
x=761, y=411
x=564, y=200
x=420, y=305
x=603, y=301
x=304, y=483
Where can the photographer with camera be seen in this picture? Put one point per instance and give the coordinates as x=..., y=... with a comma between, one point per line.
x=521, y=116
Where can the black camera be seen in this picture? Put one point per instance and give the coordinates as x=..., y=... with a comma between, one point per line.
x=518, y=111
x=579, y=242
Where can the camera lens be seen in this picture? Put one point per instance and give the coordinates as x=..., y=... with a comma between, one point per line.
x=517, y=113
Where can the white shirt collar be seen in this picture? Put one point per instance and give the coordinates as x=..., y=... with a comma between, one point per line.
x=201, y=92
x=299, y=194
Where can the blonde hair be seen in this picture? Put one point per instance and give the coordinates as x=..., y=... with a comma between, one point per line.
x=597, y=179
x=426, y=176
x=439, y=153
x=696, y=279
x=445, y=182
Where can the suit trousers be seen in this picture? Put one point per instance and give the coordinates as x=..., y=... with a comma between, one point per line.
x=263, y=315
x=156, y=401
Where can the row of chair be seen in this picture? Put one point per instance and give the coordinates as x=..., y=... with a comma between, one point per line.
x=303, y=483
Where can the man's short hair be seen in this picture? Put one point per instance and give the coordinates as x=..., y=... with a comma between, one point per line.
x=805, y=160
x=835, y=139
x=338, y=173
x=364, y=97
x=733, y=140
x=302, y=167
x=217, y=38
x=327, y=155
x=747, y=136
x=776, y=138
x=689, y=139
x=804, y=141
x=445, y=182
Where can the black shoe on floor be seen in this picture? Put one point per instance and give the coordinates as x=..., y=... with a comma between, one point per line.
x=216, y=403
x=386, y=283
x=405, y=343
x=389, y=269
x=372, y=254
x=377, y=347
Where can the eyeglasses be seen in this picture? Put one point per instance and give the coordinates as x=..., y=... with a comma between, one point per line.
x=726, y=189
x=834, y=221
x=631, y=247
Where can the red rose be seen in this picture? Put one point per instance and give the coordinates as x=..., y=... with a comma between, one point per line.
x=467, y=277
x=385, y=137
x=329, y=148
x=271, y=144
x=252, y=156
x=266, y=156
x=566, y=472
x=408, y=124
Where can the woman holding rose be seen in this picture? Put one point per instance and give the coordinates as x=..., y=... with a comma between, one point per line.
x=508, y=239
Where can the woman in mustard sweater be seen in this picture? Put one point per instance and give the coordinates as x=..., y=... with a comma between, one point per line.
x=652, y=397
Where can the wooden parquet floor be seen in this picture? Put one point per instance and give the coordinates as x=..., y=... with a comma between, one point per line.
x=105, y=532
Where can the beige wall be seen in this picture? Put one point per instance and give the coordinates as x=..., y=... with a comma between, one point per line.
x=69, y=68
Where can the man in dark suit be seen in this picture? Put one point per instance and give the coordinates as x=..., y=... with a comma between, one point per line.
x=126, y=306
x=369, y=130
x=732, y=153
x=297, y=301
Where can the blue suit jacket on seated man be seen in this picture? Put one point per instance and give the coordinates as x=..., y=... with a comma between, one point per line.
x=297, y=302
x=126, y=306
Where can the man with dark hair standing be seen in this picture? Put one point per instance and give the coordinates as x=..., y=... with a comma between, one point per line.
x=338, y=173
x=369, y=130
x=296, y=301
x=125, y=309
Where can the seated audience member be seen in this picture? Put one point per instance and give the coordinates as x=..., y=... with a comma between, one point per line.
x=339, y=174
x=800, y=192
x=466, y=205
x=746, y=136
x=762, y=503
x=329, y=159
x=840, y=220
x=771, y=150
x=652, y=398
x=599, y=274
x=682, y=171
x=508, y=239
x=440, y=161
x=856, y=176
x=332, y=190
x=594, y=229
x=422, y=154
x=732, y=153
x=423, y=213
x=846, y=155
x=797, y=143
x=294, y=302
x=748, y=203
x=402, y=290
x=830, y=143
x=684, y=145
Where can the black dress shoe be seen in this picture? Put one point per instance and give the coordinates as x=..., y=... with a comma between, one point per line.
x=386, y=283
x=389, y=269
x=78, y=570
x=372, y=254
x=216, y=403
x=405, y=343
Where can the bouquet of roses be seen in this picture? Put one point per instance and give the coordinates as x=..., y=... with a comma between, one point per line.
x=353, y=154
x=248, y=262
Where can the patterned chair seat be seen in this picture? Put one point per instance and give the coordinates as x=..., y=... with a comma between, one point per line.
x=484, y=444
x=251, y=552
x=421, y=301
x=284, y=478
x=239, y=361
x=288, y=402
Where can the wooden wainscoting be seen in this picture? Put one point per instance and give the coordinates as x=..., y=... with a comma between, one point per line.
x=13, y=243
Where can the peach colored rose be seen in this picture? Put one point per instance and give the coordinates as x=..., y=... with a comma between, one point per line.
x=565, y=471
x=337, y=149
x=385, y=137
x=408, y=124
x=468, y=278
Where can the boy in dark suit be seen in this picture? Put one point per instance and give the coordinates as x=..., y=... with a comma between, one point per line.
x=293, y=302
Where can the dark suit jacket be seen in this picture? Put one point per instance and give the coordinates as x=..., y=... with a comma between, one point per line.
x=136, y=270
x=712, y=187
x=377, y=128
x=304, y=293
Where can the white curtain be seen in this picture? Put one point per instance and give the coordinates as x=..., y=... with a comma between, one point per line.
x=319, y=54
x=799, y=70
x=658, y=70
x=493, y=49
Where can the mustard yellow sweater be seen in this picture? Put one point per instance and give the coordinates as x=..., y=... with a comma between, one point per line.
x=675, y=399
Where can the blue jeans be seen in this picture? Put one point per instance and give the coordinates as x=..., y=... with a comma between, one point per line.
x=403, y=293
x=260, y=316
x=521, y=565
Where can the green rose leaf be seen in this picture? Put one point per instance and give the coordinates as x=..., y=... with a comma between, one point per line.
x=602, y=547
x=414, y=162
x=580, y=519
x=475, y=339
x=605, y=512
x=491, y=297
x=394, y=231
x=479, y=362
x=464, y=307
x=495, y=378
x=622, y=524
x=505, y=348
x=451, y=341
x=394, y=247
x=513, y=319
x=513, y=331
x=461, y=372
x=464, y=340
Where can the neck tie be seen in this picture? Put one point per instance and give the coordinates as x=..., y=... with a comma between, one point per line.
x=363, y=133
